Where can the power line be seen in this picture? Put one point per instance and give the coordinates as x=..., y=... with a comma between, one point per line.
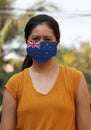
x=63, y=13
x=10, y=9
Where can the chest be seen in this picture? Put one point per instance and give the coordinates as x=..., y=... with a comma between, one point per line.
x=58, y=102
x=44, y=83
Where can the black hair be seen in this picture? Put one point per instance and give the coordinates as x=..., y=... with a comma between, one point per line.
x=31, y=24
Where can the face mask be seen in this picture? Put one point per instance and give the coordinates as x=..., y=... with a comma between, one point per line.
x=41, y=51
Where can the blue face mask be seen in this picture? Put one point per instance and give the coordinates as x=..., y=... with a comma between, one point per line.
x=41, y=51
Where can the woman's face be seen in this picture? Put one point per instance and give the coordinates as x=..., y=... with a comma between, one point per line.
x=42, y=33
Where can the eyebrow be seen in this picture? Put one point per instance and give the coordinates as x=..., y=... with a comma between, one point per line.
x=48, y=36
x=39, y=36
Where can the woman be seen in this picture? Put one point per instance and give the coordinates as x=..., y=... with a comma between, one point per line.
x=45, y=95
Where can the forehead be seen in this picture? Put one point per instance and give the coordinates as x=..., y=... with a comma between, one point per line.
x=42, y=28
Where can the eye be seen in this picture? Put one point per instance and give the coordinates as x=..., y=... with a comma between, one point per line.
x=36, y=39
x=48, y=39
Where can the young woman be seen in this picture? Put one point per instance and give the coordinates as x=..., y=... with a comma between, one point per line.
x=45, y=95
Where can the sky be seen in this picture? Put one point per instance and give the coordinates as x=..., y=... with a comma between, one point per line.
x=72, y=28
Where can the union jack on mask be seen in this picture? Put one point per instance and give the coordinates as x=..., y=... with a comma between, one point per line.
x=33, y=44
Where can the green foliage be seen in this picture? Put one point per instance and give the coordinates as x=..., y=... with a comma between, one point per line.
x=4, y=5
x=6, y=33
x=4, y=75
x=3, y=78
x=43, y=5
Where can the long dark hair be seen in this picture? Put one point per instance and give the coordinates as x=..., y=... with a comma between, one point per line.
x=31, y=24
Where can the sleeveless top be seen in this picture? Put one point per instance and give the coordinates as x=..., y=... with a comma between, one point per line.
x=52, y=111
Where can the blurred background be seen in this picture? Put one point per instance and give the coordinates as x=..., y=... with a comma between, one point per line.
x=74, y=49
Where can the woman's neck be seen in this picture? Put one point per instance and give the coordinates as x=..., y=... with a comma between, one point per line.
x=43, y=68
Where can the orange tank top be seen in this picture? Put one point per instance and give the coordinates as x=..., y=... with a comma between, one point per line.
x=52, y=111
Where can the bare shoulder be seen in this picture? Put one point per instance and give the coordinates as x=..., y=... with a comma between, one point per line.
x=83, y=90
x=8, y=98
x=9, y=107
x=83, y=114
